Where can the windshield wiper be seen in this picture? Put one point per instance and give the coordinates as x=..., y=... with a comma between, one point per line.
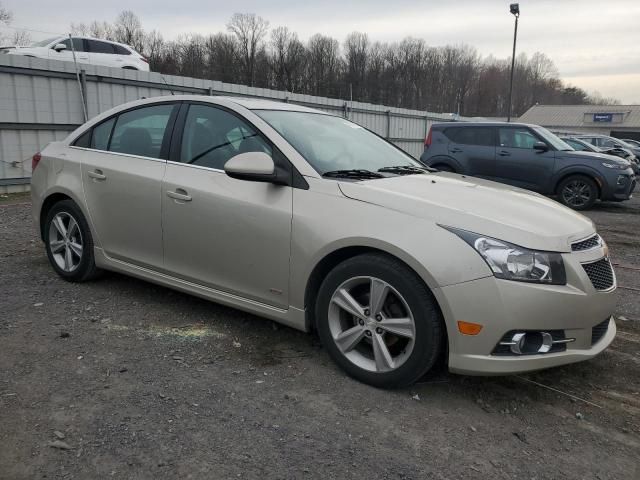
x=353, y=173
x=406, y=169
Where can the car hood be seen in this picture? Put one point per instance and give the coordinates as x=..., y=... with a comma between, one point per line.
x=18, y=49
x=593, y=156
x=500, y=211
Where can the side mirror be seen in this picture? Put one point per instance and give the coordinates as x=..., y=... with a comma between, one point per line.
x=59, y=47
x=252, y=166
x=541, y=147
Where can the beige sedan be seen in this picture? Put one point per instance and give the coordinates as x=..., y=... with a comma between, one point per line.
x=313, y=221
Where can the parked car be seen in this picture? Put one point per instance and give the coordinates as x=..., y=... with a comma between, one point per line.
x=604, y=141
x=87, y=50
x=583, y=146
x=315, y=222
x=530, y=157
x=633, y=143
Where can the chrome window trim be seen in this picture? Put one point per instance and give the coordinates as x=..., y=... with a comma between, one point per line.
x=200, y=167
x=118, y=153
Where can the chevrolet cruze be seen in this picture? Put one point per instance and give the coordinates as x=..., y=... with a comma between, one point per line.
x=315, y=222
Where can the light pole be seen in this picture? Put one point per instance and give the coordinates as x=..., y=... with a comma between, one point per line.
x=514, y=8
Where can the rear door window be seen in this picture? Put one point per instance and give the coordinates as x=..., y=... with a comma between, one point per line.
x=120, y=50
x=96, y=46
x=141, y=131
x=101, y=134
x=481, y=136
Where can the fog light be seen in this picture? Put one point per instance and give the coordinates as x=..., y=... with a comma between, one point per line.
x=526, y=343
x=622, y=179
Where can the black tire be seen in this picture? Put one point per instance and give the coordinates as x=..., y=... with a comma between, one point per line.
x=86, y=268
x=444, y=168
x=429, y=324
x=578, y=192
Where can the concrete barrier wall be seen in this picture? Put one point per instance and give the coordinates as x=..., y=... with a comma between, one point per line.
x=41, y=101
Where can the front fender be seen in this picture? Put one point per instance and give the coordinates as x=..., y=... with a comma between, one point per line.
x=578, y=170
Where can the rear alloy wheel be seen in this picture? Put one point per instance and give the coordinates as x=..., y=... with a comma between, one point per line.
x=578, y=192
x=69, y=243
x=379, y=321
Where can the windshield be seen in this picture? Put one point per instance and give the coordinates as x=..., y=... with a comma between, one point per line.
x=555, y=141
x=331, y=143
x=44, y=43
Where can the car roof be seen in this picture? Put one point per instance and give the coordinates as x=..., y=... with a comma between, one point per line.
x=483, y=124
x=263, y=104
x=245, y=102
x=84, y=37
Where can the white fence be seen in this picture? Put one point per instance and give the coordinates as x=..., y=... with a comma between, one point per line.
x=41, y=101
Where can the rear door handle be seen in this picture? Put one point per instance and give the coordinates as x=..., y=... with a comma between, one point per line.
x=180, y=194
x=97, y=175
x=504, y=154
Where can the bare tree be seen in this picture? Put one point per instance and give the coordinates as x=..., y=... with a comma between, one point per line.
x=288, y=59
x=21, y=38
x=79, y=29
x=249, y=30
x=324, y=65
x=6, y=16
x=128, y=29
x=407, y=74
x=153, y=48
x=102, y=30
x=222, y=53
x=356, y=56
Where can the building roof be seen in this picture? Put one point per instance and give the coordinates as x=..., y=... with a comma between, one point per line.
x=626, y=116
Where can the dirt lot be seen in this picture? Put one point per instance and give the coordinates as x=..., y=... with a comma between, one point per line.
x=143, y=382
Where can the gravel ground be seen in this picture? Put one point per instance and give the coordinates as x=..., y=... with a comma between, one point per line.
x=119, y=378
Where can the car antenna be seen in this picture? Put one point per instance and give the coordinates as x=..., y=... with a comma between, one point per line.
x=168, y=86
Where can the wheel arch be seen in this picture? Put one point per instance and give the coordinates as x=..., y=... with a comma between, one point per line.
x=55, y=196
x=585, y=172
x=338, y=255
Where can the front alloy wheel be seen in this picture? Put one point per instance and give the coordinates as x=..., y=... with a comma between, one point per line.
x=371, y=324
x=379, y=321
x=578, y=192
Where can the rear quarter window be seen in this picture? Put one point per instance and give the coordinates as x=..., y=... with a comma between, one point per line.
x=120, y=50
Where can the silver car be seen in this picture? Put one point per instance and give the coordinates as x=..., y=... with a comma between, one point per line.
x=315, y=222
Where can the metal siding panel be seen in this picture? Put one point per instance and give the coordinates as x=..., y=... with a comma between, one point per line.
x=46, y=99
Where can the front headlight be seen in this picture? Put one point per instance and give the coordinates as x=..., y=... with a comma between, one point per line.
x=511, y=262
x=615, y=166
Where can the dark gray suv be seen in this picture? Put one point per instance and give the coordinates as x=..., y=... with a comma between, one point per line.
x=531, y=157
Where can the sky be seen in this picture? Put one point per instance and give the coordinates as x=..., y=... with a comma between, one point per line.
x=595, y=44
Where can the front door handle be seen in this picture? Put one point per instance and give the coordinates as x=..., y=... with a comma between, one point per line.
x=504, y=154
x=97, y=175
x=180, y=194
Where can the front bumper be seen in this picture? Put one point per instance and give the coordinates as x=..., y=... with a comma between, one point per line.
x=502, y=306
x=619, y=187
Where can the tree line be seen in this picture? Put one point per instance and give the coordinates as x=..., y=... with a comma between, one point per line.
x=407, y=74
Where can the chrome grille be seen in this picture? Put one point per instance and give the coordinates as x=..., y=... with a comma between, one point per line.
x=600, y=273
x=586, y=244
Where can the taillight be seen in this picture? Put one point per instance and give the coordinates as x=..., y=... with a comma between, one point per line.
x=144, y=60
x=427, y=141
x=35, y=160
